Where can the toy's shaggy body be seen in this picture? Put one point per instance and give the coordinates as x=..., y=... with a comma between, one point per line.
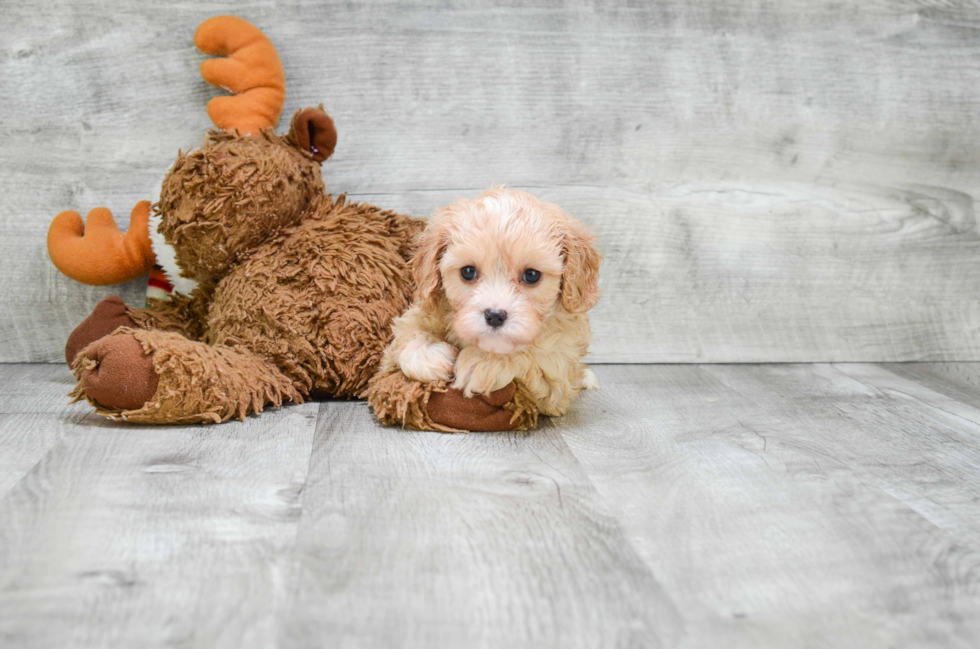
x=300, y=306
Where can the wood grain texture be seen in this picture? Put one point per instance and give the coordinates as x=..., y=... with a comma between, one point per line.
x=784, y=505
x=483, y=540
x=924, y=456
x=958, y=381
x=34, y=417
x=129, y=536
x=928, y=388
x=686, y=506
x=915, y=450
x=785, y=181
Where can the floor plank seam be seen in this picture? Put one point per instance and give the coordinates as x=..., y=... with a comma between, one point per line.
x=972, y=423
x=47, y=453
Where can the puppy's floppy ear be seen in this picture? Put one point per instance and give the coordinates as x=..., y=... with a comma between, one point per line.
x=580, y=275
x=425, y=262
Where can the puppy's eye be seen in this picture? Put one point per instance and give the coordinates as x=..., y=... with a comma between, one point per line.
x=531, y=276
x=469, y=273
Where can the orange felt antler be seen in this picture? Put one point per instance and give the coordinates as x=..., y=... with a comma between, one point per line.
x=251, y=70
x=96, y=252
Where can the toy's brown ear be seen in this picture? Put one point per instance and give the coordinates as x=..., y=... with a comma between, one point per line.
x=312, y=130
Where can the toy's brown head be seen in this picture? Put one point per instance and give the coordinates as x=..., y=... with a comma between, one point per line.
x=222, y=200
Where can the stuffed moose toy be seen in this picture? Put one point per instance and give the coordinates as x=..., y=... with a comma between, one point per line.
x=281, y=291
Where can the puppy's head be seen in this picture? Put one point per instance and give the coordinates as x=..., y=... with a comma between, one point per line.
x=504, y=262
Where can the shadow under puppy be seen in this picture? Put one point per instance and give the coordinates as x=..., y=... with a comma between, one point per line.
x=503, y=284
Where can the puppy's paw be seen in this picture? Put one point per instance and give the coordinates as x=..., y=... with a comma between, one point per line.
x=478, y=372
x=589, y=380
x=427, y=361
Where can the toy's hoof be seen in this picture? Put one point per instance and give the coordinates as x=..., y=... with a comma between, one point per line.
x=123, y=377
x=480, y=413
x=108, y=315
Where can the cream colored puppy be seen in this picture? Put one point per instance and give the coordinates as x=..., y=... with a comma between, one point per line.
x=503, y=282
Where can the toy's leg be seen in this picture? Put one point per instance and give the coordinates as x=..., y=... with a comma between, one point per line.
x=158, y=377
x=182, y=314
x=108, y=315
x=398, y=400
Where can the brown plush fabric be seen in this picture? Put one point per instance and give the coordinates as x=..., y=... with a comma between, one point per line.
x=319, y=299
x=299, y=289
x=308, y=311
x=116, y=372
x=312, y=130
x=108, y=315
x=184, y=314
x=220, y=201
x=196, y=382
x=480, y=413
x=398, y=400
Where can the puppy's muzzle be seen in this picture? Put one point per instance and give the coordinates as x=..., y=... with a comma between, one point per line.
x=495, y=317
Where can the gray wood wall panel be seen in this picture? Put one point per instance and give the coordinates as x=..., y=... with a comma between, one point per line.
x=785, y=181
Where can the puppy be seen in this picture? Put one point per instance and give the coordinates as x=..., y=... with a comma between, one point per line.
x=503, y=283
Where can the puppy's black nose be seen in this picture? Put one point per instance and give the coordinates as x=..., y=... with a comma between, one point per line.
x=495, y=317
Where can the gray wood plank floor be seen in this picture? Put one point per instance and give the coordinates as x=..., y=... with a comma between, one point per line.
x=679, y=506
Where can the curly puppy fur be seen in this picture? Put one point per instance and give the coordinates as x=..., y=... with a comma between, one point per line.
x=449, y=332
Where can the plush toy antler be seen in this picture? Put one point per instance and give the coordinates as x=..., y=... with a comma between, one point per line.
x=251, y=70
x=98, y=253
